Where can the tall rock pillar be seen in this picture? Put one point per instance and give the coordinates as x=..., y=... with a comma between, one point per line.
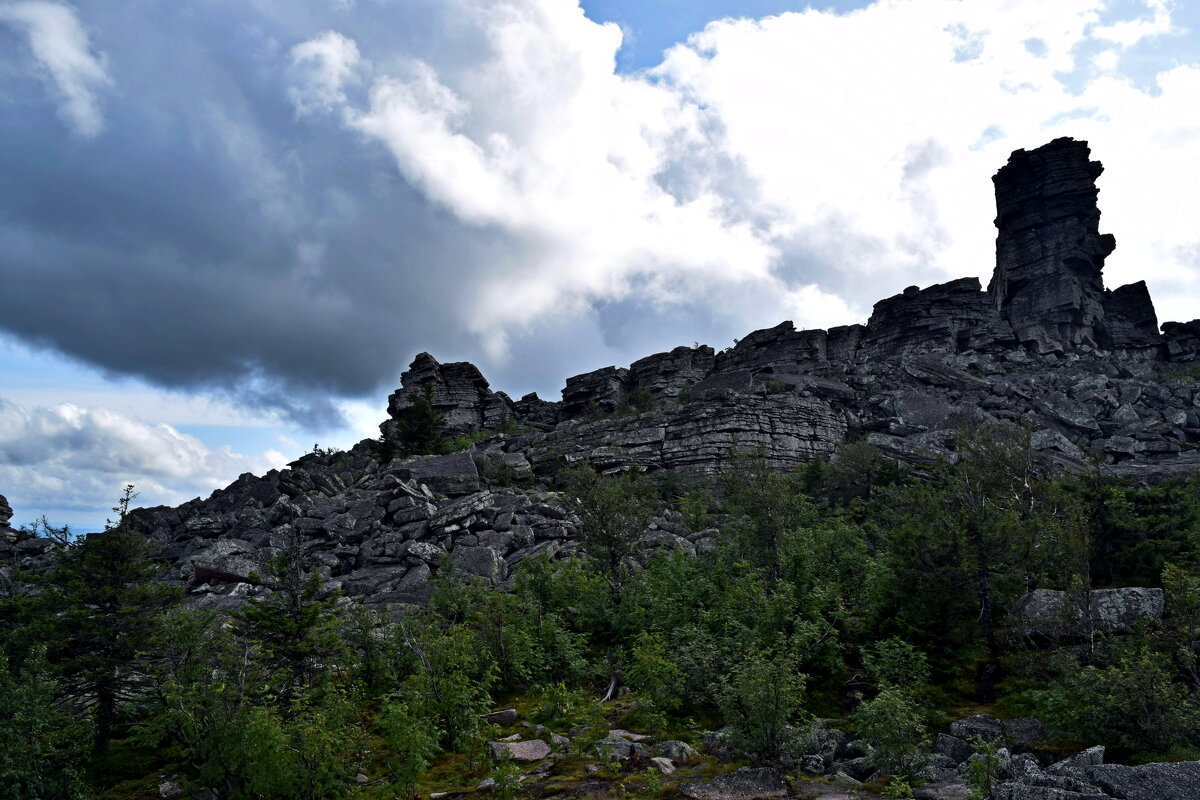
x=1049, y=251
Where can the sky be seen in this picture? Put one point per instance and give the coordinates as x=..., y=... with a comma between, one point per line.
x=227, y=227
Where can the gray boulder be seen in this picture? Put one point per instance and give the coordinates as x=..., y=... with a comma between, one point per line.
x=745, y=784
x=530, y=750
x=1050, y=614
x=1149, y=781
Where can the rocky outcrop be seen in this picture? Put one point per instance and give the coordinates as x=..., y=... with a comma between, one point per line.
x=1130, y=322
x=7, y=534
x=746, y=783
x=665, y=375
x=457, y=391
x=599, y=392
x=1182, y=341
x=1049, y=249
x=1050, y=614
x=952, y=316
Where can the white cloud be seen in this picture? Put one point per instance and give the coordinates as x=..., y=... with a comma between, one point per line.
x=69, y=456
x=321, y=69
x=864, y=140
x=60, y=45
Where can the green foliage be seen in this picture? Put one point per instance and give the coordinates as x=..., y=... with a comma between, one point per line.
x=984, y=768
x=695, y=507
x=296, y=624
x=858, y=475
x=1135, y=532
x=615, y=512
x=40, y=747
x=896, y=664
x=759, y=698
x=637, y=400
x=452, y=681
x=572, y=707
x=898, y=789
x=1134, y=703
x=770, y=505
x=99, y=610
x=891, y=721
x=654, y=673
x=415, y=430
x=507, y=774
x=411, y=743
x=776, y=386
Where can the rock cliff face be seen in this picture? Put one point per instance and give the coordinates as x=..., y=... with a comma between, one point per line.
x=1046, y=346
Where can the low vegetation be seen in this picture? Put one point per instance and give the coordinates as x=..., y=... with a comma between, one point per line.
x=849, y=590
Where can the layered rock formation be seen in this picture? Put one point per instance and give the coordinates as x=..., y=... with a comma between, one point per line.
x=1049, y=251
x=1046, y=346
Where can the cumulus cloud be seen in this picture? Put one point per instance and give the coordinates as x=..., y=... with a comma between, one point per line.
x=60, y=45
x=287, y=218
x=72, y=457
x=321, y=69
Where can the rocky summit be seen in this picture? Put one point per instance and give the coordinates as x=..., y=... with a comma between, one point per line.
x=1045, y=345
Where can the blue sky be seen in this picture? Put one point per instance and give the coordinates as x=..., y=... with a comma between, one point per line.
x=227, y=228
x=652, y=27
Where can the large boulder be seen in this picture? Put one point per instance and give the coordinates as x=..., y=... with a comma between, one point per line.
x=1050, y=614
x=1179, y=781
x=531, y=750
x=745, y=784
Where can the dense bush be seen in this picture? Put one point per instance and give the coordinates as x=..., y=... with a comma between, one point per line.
x=840, y=582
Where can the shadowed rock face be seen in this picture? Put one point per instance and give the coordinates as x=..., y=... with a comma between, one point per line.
x=1046, y=344
x=6, y=512
x=1049, y=250
x=1129, y=318
x=457, y=390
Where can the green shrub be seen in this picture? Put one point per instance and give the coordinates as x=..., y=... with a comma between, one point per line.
x=759, y=699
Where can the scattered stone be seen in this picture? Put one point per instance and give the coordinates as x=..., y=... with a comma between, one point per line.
x=664, y=765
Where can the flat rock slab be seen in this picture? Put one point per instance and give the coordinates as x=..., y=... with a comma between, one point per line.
x=1179, y=781
x=952, y=790
x=744, y=784
x=532, y=750
x=624, y=734
x=811, y=790
x=502, y=718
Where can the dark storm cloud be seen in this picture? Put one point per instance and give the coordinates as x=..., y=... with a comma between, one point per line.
x=206, y=239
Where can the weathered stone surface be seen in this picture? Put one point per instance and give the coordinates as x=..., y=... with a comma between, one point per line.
x=597, y=392
x=665, y=375
x=453, y=474
x=938, y=317
x=954, y=748
x=1049, y=251
x=782, y=345
x=7, y=534
x=744, y=784
x=458, y=391
x=1179, y=781
x=1182, y=340
x=503, y=718
x=530, y=750
x=1129, y=318
x=985, y=726
x=1052, y=614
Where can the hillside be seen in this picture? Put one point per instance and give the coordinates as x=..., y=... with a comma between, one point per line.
x=952, y=552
